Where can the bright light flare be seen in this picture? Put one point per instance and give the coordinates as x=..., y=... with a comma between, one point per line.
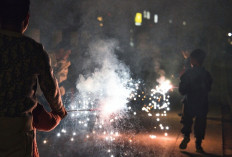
x=152, y=136
x=163, y=87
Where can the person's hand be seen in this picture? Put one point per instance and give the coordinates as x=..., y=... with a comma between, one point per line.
x=62, y=90
x=185, y=54
x=43, y=120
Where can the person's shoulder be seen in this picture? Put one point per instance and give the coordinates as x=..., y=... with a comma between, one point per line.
x=35, y=47
x=205, y=71
x=32, y=43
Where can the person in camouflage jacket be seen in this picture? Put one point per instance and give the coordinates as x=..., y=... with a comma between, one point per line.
x=23, y=64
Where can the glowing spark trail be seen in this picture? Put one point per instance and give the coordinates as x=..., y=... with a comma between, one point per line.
x=95, y=109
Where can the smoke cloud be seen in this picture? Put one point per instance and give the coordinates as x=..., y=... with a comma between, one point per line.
x=108, y=82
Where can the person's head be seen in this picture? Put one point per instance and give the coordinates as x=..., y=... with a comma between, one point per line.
x=197, y=57
x=14, y=14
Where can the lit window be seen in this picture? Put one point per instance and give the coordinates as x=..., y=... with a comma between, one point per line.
x=138, y=19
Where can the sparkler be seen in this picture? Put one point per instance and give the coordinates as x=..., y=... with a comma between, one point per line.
x=157, y=104
x=95, y=109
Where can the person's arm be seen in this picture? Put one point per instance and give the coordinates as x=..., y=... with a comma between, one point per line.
x=49, y=86
x=43, y=120
x=184, y=84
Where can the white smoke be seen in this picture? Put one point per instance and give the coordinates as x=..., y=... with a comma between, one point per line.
x=108, y=83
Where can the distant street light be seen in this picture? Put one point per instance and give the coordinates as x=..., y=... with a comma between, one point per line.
x=229, y=34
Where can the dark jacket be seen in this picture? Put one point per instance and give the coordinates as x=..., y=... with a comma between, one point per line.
x=195, y=85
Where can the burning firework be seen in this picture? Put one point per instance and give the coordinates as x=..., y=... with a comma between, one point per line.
x=107, y=99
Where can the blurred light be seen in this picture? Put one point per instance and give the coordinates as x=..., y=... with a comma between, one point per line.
x=101, y=24
x=148, y=15
x=63, y=131
x=184, y=23
x=99, y=18
x=229, y=34
x=45, y=141
x=72, y=139
x=145, y=14
x=152, y=136
x=170, y=21
x=155, y=18
x=132, y=44
x=138, y=19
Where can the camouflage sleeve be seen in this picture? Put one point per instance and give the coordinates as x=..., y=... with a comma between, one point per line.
x=49, y=85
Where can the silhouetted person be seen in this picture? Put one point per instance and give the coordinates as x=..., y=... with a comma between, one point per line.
x=23, y=63
x=195, y=85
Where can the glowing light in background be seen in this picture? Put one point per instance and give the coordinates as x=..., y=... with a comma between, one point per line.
x=184, y=23
x=155, y=18
x=138, y=19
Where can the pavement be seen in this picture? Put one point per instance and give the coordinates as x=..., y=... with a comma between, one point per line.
x=141, y=144
x=212, y=144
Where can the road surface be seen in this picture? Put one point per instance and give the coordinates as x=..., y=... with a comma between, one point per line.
x=143, y=143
